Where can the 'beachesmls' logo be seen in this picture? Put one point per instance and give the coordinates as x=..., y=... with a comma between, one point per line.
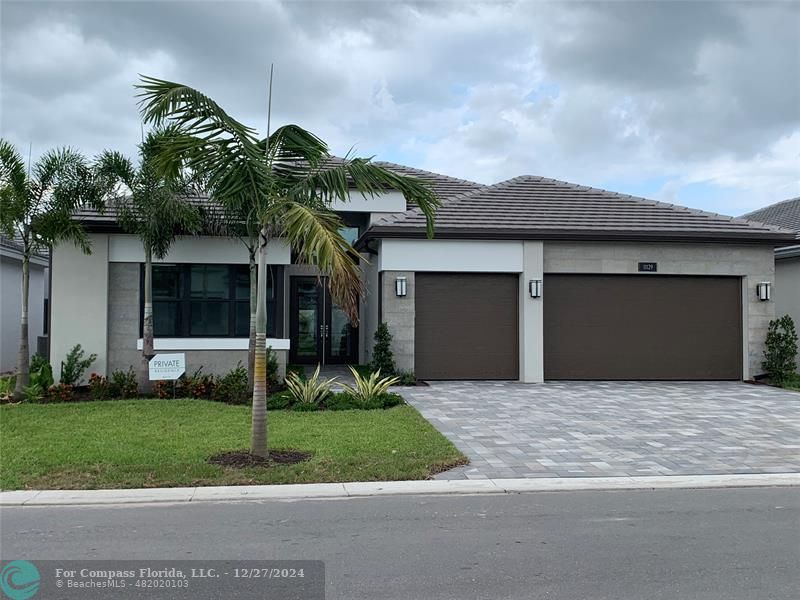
x=19, y=580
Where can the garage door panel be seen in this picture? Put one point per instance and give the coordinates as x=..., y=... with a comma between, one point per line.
x=466, y=326
x=642, y=327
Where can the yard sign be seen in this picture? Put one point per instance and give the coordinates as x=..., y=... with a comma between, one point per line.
x=167, y=366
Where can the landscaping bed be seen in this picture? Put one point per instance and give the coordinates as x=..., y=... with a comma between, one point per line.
x=166, y=443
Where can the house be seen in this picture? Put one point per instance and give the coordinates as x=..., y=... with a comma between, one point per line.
x=11, y=302
x=528, y=279
x=785, y=214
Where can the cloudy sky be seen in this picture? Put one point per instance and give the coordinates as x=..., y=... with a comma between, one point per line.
x=690, y=102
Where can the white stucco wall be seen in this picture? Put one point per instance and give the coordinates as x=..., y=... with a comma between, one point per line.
x=451, y=256
x=11, y=309
x=79, y=302
x=787, y=291
x=200, y=249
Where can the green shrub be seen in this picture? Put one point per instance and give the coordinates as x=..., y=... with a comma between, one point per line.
x=73, y=368
x=7, y=384
x=312, y=391
x=279, y=401
x=33, y=392
x=123, y=384
x=391, y=399
x=342, y=401
x=272, y=367
x=382, y=357
x=368, y=390
x=347, y=401
x=296, y=370
x=407, y=378
x=781, y=351
x=40, y=373
x=232, y=387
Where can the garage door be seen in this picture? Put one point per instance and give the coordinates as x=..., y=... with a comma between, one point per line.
x=642, y=327
x=466, y=326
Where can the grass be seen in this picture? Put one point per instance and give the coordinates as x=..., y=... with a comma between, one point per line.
x=166, y=443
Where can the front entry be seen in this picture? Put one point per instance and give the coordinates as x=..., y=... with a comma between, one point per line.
x=320, y=331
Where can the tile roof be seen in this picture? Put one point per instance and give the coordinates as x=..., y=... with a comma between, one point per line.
x=16, y=245
x=530, y=207
x=784, y=214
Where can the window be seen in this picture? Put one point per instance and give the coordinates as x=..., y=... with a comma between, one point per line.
x=198, y=300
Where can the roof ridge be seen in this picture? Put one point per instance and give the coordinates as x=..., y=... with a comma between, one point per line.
x=450, y=177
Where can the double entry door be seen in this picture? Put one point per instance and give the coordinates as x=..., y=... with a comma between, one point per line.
x=320, y=331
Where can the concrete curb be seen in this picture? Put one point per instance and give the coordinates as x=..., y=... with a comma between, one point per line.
x=387, y=488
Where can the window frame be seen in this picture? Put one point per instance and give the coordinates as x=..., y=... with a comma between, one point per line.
x=185, y=300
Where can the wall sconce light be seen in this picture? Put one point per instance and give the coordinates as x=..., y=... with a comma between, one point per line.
x=535, y=288
x=400, y=287
x=764, y=291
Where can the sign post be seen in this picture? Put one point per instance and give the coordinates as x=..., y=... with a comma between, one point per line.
x=167, y=367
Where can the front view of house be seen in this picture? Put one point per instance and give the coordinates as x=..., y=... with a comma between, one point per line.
x=528, y=279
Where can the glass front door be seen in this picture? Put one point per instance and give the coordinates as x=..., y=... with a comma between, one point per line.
x=320, y=331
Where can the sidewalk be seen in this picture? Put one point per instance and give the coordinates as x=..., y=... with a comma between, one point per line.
x=387, y=488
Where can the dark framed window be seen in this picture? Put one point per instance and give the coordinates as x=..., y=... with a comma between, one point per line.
x=209, y=300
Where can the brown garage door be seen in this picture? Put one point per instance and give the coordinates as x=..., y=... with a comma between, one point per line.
x=466, y=326
x=642, y=327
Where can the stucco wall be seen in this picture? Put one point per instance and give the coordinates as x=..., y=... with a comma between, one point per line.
x=79, y=302
x=11, y=309
x=787, y=291
x=752, y=263
x=398, y=314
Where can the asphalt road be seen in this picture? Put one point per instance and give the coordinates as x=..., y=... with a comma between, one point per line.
x=676, y=545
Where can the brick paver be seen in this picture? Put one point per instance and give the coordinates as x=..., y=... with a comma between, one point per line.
x=592, y=429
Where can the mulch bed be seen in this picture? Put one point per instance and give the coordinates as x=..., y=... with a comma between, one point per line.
x=242, y=459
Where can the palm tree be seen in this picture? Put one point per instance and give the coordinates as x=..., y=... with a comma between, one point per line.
x=287, y=181
x=153, y=205
x=36, y=207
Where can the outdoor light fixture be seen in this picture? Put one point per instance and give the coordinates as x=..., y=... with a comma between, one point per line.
x=535, y=288
x=764, y=291
x=400, y=287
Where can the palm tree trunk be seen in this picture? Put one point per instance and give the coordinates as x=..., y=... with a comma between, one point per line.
x=258, y=435
x=23, y=359
x=251, y=348
x=147, y=324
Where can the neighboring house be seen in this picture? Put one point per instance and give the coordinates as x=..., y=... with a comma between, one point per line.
x=528, y=279
x=11, y=302
x=785, y=214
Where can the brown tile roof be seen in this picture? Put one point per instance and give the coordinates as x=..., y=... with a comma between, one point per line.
x=784, y=214
x=444, y=185
x=530, y=207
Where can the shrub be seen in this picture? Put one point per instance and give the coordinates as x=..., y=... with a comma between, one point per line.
x=279, y=401
x=407, y=378
x=272, y=367
x=123, y=384
x=99, y=388
x=73, y=368
x=382, y=357
x=368, y=390
x=296, y=370
x=165, y=389
x=342, y=401
x=781, y=351
x=232, y=387
x=7, y=384
x=309, y=393
x=197, y=385
x=41, y=373
x=347, y=401
x=60, y=392
x=33, y=392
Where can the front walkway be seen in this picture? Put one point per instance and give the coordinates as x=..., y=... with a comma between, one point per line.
x=596, y=429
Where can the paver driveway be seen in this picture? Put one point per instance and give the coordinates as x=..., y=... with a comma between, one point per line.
x=591, y=429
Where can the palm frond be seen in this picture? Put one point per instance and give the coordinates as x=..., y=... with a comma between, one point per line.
x=314, y=235
x=14, y=189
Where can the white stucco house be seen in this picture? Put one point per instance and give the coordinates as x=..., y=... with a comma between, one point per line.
x=785, y=214
x=11, y=302
x=528, y=279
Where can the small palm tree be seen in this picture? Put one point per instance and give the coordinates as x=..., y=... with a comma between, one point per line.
x=155, y=206
x=287, y=182
x=36, y=207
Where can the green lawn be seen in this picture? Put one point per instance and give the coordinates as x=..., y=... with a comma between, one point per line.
x=163, y=443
